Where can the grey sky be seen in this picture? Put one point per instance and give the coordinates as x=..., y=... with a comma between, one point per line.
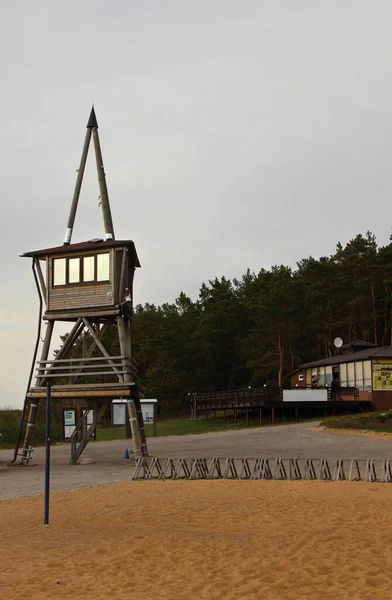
x=235, y=134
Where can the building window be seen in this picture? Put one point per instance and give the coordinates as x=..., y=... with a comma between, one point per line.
x=300, y=377
x=88, y=268
x=367, y=375
x=321, y=377
x=103, y=267
x=350, y=375
x=343, y=375
x=59, y=271
x=328, y=375
x=73, y=270
x=359, y=375
x=83, y=269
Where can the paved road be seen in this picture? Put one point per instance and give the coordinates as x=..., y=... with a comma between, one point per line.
x=108, y=465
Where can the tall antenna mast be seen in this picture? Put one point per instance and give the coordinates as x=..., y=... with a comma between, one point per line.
x=92, y=128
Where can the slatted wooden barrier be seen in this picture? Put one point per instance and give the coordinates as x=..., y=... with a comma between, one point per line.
x=256, y=468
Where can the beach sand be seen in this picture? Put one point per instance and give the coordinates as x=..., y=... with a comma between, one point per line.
x=201, y=539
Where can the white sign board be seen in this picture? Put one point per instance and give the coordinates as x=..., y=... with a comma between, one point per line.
x=148, y=413
x=90, y=415
x=118, y=414
x=90, y=419
x=69, y=423
x=305, y=395
x=119, y=411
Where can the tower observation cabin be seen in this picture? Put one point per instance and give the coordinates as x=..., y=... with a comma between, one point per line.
x=88, y=285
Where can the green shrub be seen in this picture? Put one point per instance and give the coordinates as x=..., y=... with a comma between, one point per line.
x=378, y=421
x=9, y=432
x=10, y=415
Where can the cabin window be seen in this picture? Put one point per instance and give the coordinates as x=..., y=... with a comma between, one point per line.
x=74, y=270
x=59, y=271
x=367, y=375
x=328, y=375
x=88, y=268
x=82, y=269
x=103, y=267
x=350, y=375
x=321, y=377
x=359, y=375
x=343, y=374
x=300, y=377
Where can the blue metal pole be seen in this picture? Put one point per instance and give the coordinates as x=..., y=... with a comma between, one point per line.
x=47, y=455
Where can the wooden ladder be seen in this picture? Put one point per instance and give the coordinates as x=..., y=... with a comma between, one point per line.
x=23, y=447
x=84, y=432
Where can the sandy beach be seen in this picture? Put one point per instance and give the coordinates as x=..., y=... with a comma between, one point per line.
x=200, y=539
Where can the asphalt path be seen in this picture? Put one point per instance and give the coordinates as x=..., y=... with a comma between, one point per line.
x=108, y=465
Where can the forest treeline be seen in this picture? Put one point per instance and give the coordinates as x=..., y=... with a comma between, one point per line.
x=258, y=328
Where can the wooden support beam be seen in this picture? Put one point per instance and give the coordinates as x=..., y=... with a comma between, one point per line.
x=132, y=414
x=86, y=431
x=80, y=366
x=68, y=343
x=88, y=386
x=70, y=339
x=80, y=373
x=45, y=349
x=78, y=185
x=79, y=360
x=122, y=275
x=102, y=348
x=106, y=393
x=34, y=405
x=107, y=217
x=88, y=313
x=41, y=279
x=89, y=351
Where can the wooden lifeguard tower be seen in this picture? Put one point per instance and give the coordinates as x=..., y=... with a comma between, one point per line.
x=89, y=285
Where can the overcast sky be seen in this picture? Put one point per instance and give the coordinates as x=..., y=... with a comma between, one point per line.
x=235, y=134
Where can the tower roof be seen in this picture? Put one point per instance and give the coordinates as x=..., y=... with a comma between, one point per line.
x=92, y=132
x=92, y=121
x=90, y=245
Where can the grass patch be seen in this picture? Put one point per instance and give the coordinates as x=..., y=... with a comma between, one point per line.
x=165, y=426
x=186, y=426
x=179, y=426
x=371, y=421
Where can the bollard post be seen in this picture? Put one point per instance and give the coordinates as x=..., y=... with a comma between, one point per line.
x=47, y=454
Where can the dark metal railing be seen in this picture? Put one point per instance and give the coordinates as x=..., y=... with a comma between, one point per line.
x=246, y=397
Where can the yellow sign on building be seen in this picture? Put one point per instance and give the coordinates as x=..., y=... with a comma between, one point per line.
x=382, y=375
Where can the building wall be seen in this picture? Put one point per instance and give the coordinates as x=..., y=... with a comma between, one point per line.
x=80, y=295
x=382, y=400
x=365, y=395
x=128, y=279
x=296, y=381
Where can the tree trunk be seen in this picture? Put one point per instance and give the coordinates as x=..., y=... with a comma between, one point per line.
x=330, y=321
x=292, y=357
x=281, y=358
x=374, y=309
x=386, y=317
